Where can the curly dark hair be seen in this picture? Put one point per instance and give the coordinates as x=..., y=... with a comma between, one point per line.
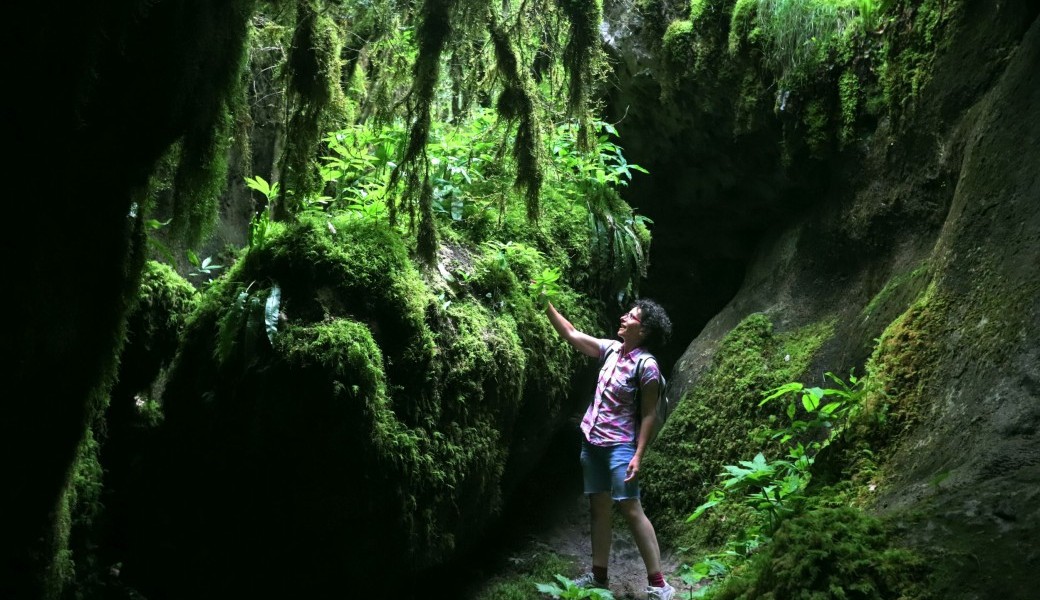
x=655, y=322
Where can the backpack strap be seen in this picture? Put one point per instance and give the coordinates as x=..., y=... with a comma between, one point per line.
x=639, y=379
x=639, y=368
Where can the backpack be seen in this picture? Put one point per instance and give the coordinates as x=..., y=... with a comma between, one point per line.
x=664, y=402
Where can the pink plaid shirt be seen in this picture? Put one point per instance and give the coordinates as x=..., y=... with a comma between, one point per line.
x=611, y=418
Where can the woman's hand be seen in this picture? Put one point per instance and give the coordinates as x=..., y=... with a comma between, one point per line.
x=633, y=468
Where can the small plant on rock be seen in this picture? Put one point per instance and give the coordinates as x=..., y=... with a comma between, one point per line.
x=545, y=286
x=260, y=224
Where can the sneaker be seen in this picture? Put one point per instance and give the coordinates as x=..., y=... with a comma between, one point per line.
x=660, y=593
x=588, y=580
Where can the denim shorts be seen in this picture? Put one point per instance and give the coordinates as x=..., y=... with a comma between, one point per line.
x=604, y=470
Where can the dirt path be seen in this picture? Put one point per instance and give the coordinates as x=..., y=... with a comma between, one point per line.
x=570, y=537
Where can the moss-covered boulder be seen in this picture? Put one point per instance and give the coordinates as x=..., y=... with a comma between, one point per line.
x=829, y=553
x=154, y=324
x=330, y=416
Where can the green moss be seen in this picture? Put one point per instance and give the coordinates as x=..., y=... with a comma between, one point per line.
x=711, y=425
x=818, y=131
x=201, y=172
x=993, y=309
x=900, y=370
x=799, y=37
x=517, y=103
x=829, y=553
x=849, y=95
x=164, y=301
x=582, y=50
x=80, y=506
x=909, y=53
x=426, y=475
x=361, y=270
x=697, y=8
x=753, y=105
x=314, y=64
x=894, y=288
x=314, y=70
x=743, y=28
x=201, y=178
x=824, y=67
x=487, y=361
x=678, y=45
x=815, y=58
x=432, y=35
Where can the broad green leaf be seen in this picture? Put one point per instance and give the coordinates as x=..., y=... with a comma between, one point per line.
x=780, y=391
x=829, y=408
x=714, y=499
x=259, y=184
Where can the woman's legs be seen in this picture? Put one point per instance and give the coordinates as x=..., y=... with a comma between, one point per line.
x=599, y=507
x=604, y=471
x=642, y=532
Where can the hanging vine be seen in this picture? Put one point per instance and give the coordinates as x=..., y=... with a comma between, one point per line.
x=433, y=32
x=313, y=68
x=516, y=103
x=579, y=57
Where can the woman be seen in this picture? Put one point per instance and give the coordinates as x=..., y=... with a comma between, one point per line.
x=616, y=430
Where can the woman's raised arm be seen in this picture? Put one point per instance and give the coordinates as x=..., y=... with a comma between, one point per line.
x=586, y=344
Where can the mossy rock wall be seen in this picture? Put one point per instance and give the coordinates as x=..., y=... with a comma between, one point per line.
x=926, y=256
x=964, y=475
x=367, y=437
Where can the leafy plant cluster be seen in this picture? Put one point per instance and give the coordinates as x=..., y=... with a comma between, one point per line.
x=775, y=490
x=471, y=194
x=260, y=224
x=252, y=316
x=620, y=238
x=361, y=159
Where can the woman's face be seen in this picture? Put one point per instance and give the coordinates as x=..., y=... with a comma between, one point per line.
x=631, y=329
